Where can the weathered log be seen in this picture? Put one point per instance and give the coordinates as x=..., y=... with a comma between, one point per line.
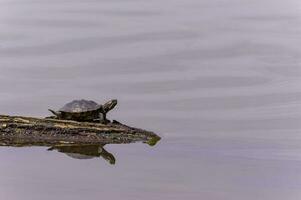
x=29, y=130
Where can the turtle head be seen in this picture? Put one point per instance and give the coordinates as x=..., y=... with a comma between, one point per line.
x=109, y=105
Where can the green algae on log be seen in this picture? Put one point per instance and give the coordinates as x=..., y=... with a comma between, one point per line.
x=37, y=130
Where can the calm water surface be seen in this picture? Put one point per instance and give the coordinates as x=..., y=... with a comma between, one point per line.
x=218, y=80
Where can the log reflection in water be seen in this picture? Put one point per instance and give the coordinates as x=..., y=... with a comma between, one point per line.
x=73, y=150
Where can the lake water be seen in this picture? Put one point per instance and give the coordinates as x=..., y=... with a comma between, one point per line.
x=218, y=80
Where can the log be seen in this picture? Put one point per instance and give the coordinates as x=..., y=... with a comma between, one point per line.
x=38, y=131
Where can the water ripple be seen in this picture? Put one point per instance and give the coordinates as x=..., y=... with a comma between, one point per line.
x=94, y=42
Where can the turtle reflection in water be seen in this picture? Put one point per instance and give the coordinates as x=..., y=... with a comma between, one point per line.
x=84, y=152
x=84, y=111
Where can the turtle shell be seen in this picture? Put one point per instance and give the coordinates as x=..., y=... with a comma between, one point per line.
x=81, y=110
x=78, y=106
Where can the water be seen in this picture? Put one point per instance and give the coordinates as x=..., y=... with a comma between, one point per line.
x=218, y=80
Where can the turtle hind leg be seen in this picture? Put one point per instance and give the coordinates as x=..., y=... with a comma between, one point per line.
x=51, y=117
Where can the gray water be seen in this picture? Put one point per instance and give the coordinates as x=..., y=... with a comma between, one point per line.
x=218, y=80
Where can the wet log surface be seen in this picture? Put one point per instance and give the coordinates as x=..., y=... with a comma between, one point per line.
x=23, y=130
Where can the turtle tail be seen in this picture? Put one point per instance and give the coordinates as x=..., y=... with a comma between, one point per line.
x=57, y=114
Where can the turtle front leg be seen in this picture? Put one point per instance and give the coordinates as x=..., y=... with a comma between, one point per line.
x=103, y=118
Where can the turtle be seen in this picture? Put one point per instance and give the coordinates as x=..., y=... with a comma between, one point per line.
x=84, y=111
